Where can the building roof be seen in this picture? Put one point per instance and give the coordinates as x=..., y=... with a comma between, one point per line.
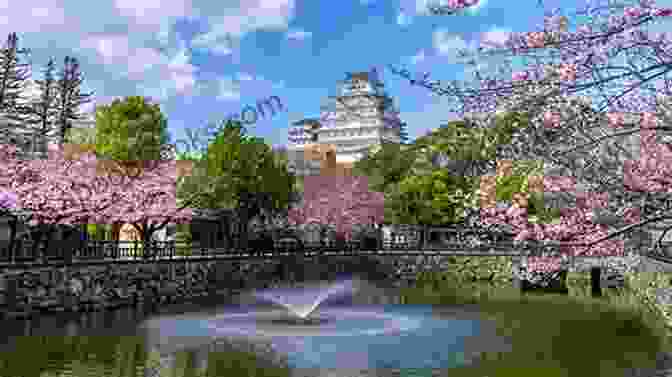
x=307, y=121
x=359, y=76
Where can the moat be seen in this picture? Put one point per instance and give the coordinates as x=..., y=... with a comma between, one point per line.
x=368, y=328
x=373, y=329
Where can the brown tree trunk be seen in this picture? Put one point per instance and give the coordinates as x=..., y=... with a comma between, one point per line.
x=116, y=230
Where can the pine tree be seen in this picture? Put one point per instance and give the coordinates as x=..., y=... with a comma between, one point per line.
x=44, y=109
x=70, y=97
x=13, y=77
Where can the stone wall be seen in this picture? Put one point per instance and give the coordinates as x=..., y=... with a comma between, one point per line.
x=84, y=287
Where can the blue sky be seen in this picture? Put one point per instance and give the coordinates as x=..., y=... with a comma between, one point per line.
x=203, y=60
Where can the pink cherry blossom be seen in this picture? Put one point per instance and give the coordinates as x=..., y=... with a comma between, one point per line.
x=633, y=13
x=615, y=36
x=663, y=12
x=616, y=119
x=649, y=120
x=567, y=72
x=535, y=40
x=75, y=190
x=520, y=76
x=341, y=201
x=551, y=120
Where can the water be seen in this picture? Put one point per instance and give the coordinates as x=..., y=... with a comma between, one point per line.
x=367, y=330
x=302, y=301
x=361, y=337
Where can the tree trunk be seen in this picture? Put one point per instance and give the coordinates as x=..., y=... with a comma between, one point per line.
x=423, y=237
x=13, y=224
x=228, y=232
x=36, y=241
x=50, y=244
x=116, y=229
x=146, y=240
x=244, y=223
x=595, y=282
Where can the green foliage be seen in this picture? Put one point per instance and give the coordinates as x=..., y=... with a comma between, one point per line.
x=96, y=231
x=387, y=165
x=419, y=192
x=183, y=239
x=188, y=156
x=131, y=130
x=518, y=182
x=80, y=135
x=436, y=198
x=235, y=164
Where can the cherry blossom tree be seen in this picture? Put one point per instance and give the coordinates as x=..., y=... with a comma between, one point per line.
x=341, y=201
x=566, y=128
x=8, y=205
x=79, y=189
x=149, y=201
x=57, y=190
x=574, y=230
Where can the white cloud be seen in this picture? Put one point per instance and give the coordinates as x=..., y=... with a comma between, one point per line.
x=448, y=44
x=135, y=47
x=229, y=89
x=242, y=76
x=153, y=12
x=252, y=15
x=403, y=19
x=299, y=35
x=495, y=36
x=418, y=58
x=422, y=5
x=170, y=74
x=30, y=16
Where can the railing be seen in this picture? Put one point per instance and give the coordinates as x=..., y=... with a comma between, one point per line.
x=67, y=252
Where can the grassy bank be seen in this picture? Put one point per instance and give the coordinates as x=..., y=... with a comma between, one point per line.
x=554, y=335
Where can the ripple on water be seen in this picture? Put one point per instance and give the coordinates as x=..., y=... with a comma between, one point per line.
x=390, y=336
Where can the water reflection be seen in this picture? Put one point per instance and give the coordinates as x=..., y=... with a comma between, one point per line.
x=111, y=343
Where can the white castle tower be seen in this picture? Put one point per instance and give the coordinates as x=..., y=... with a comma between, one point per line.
x=361, y=116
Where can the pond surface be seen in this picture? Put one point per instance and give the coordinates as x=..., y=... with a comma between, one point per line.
x=368, y=330
x=371, y=332
x=361, y=337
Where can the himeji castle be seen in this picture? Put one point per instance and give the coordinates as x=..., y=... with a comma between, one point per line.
x=362, y=115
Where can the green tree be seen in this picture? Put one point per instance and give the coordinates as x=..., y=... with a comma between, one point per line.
x=242, y=173
x=518, y=182
x=437, y=198
x=436, y=179
x=131, y=130
x=70, y=96
x=386, y=165
x=13, y=79
x=44, y=110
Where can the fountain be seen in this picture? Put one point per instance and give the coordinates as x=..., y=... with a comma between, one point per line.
x=304, y=301
x=305, y=324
